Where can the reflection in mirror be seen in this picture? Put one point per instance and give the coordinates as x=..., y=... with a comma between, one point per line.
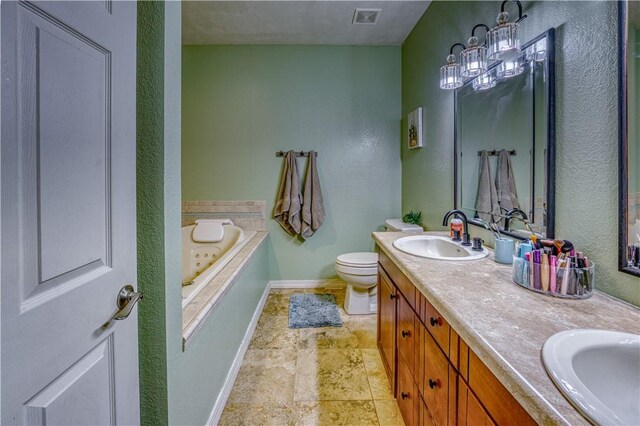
x=505, y=143
x=630, y=142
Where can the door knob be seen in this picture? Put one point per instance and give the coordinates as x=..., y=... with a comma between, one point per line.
x=126, y=300
x=404, y=395
x=405, y=333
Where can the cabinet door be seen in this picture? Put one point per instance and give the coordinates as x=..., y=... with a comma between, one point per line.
x=470, y=411
x=387, y=325
x=425, y=417
x=408, y=399
x=405, y=334
x=437, y=382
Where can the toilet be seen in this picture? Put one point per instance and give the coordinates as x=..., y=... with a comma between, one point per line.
x=360, y=271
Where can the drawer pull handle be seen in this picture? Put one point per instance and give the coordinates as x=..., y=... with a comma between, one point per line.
x=393, y=296
x=405, y=333
x=434, y=383
x=434, y=322
x=404, y=395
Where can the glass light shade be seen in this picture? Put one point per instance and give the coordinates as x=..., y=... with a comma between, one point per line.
x=484, y=81
x=473, y=62
x=450, y=76
x=503, y=39
x=508, y=69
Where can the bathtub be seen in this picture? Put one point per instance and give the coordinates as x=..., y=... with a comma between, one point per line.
x=201, y=262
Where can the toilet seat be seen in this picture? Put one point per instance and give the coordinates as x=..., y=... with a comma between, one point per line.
x=351, y=270
x=358, y=260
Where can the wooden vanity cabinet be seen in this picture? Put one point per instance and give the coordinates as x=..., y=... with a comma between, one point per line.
x=436, y=378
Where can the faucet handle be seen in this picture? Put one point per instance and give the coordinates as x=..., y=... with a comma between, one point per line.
x=456, y=235
x=477, y=244
x=466, y=239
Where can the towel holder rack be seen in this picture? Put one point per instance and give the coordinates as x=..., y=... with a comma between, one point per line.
x=496, y=152
x=298, y=154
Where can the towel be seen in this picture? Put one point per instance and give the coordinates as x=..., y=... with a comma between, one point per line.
x=289, y=202
x=312, y=203
x=487, y=207
x=209, y=230
x=505, y=183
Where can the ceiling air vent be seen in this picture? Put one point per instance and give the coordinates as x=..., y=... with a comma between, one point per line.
x=366, y=16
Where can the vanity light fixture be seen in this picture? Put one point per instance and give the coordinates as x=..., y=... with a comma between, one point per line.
x=510, y=68
x=450, y=72
x=504, y=38
x=473, y=59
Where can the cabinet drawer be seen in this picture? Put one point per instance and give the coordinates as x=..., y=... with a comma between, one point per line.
x=437, y=326
x=499, y=403
x=438, y=383
x=405, y=286
x=405, y=334
x=407, y=397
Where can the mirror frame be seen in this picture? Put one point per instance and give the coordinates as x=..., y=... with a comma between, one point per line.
x=551, y=140
x=623, y=186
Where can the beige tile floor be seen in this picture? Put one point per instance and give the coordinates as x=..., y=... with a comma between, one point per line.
x=312, y=376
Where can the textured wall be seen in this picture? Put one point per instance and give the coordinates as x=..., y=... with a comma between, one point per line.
x=150, y=214
x=586, y=102
x=241, y=104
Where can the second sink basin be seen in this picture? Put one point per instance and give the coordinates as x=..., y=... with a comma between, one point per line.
x=598, y=371
x=435, y=247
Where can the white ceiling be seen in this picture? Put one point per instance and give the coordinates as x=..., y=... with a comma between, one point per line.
x=297, y=22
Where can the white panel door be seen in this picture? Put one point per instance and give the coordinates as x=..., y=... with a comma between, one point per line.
x=67, y=223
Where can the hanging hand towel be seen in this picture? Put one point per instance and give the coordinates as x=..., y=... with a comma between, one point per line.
x=287, y=208
x=312, y=204
x=505, y=183
x=487, y=206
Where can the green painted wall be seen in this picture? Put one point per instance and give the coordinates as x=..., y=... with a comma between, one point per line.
x=241, y=104
x=587, y=116
x=151, y=215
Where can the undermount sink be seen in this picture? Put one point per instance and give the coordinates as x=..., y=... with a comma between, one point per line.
x=435, y=247
x=598, y=371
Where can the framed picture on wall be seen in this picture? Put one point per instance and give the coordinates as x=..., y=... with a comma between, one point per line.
x=414, y=128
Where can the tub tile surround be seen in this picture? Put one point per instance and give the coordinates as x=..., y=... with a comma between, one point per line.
x=248, y=215
x=200, y=308
x=506, y=325
x=319, y=376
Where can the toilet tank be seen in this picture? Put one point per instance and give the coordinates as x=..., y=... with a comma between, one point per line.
x=397, y=225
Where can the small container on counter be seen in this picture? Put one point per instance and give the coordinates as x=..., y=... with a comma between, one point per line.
x=569, y=277
x=503, y=250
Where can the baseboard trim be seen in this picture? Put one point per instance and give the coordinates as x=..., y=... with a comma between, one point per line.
x=223, y=396
x=328, y=283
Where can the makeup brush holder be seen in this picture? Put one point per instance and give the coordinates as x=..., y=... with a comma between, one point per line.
x=567, y=282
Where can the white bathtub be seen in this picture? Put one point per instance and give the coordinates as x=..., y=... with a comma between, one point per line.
x=201, y=262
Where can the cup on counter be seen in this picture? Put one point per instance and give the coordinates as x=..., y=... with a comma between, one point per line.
x=503, y=250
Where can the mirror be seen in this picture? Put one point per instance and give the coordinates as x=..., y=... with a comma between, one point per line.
x=629, y=136
x=504, y=125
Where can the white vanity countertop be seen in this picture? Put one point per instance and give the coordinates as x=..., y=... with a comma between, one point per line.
x=506, y=325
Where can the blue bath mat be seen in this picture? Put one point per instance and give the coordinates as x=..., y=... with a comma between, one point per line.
x=313, y=310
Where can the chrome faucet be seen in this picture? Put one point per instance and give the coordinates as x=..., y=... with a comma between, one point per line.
x=466, y=239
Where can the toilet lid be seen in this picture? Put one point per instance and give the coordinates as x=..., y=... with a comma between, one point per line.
x=358, y=260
